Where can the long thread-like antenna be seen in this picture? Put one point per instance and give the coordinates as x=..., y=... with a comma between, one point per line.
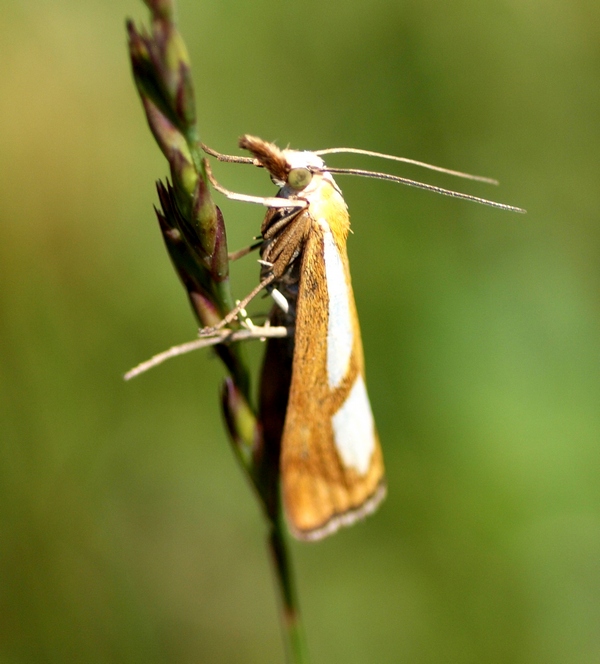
x=406, y=160
x=423, y=185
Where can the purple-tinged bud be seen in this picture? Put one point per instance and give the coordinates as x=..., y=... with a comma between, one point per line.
x=161, y=9
x=183, y=245
x=185, y=176
x=205, y=216
x=138, y=48
x=219, y=268
x=174, y=147
x=185, y=103
x=149, y=72
x=161, y=68
x=170, y=58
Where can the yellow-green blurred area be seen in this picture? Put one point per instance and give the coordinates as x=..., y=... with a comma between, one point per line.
x=127, y=532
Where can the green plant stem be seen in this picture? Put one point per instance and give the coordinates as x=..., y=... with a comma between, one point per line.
x=291, y=623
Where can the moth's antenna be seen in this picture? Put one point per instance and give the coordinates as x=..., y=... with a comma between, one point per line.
x=371, y=174
x=422, y=185
x=406, y=160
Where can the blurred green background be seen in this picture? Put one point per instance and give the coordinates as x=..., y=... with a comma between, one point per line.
x=127, y=533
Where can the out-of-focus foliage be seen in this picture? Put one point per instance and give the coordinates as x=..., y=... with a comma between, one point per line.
x=127, y=533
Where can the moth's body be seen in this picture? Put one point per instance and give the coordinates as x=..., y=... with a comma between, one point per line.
x=314, y=409
x=331, y=460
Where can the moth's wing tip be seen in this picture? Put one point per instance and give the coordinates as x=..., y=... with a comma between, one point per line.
x=343, y=519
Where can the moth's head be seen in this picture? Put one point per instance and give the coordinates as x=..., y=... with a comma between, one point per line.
x=306, y=170
x=291, y=169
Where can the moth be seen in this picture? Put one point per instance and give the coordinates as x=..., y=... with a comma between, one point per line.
x=313, y=396
x=314, y=405
x=331, y=461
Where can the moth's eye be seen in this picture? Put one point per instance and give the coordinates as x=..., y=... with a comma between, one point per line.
x=298, y=178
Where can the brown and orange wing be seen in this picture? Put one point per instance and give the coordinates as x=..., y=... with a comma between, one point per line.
x=331, y=459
